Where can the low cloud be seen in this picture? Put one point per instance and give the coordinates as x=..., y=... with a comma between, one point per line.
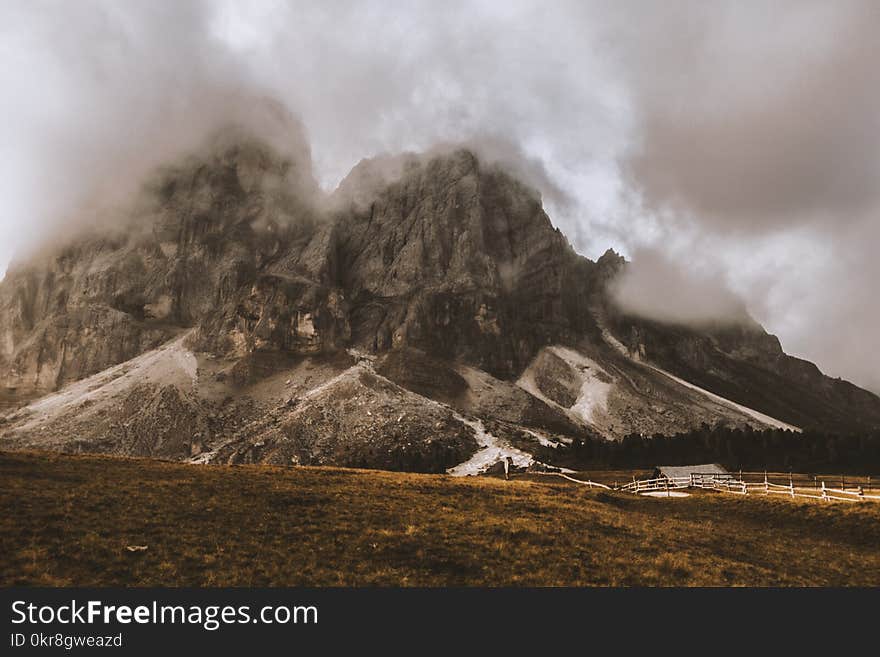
x=655, y=287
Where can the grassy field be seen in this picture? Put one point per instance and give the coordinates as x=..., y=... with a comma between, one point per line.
x=66, y=520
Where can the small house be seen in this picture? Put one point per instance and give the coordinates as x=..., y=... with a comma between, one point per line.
x=684, y=471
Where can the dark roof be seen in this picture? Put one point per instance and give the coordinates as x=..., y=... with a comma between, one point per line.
x=675, y=471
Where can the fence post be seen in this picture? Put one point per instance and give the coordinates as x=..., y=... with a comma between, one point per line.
x=824, y=493
x=791, y=487
x=692, y=480
x=745, y=488
x=861, y=494
x=766, y=484
x=667, y=487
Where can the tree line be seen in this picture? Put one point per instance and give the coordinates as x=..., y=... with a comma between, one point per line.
x=737, y=449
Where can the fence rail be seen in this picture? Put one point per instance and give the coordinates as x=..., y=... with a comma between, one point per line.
x=730, y=484
x=659, y=484
x=589, y=483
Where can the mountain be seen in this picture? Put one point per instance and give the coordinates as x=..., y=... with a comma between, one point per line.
x=425, y=316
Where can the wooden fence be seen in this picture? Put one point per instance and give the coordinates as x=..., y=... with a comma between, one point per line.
x=591, y=484
x=639, y=486
x=738, y=486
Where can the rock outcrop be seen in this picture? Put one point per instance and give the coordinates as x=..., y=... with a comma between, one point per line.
x=461, y=261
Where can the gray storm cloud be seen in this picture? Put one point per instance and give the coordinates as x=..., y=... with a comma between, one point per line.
x=102, y=94
x=739, y=139
x=762, y=117
x=760, y=123
x=654, y=286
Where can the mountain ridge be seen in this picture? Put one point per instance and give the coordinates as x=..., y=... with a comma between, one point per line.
x=445, y=275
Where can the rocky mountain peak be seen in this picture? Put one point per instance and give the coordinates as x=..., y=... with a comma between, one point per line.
x=442, y=268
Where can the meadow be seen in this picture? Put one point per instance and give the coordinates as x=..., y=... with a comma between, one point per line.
x=70, y=521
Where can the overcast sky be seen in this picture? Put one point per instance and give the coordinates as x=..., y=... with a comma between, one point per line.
x=733, y=144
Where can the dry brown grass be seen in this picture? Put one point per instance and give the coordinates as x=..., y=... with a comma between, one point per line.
x=67, y=519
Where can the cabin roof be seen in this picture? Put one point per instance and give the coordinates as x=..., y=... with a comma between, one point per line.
x=675, y=471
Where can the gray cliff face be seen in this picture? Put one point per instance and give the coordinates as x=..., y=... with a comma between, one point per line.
x=226, y=241
x=452, y=258
x=443, y=279
x=461, y=261
x=751, y=368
